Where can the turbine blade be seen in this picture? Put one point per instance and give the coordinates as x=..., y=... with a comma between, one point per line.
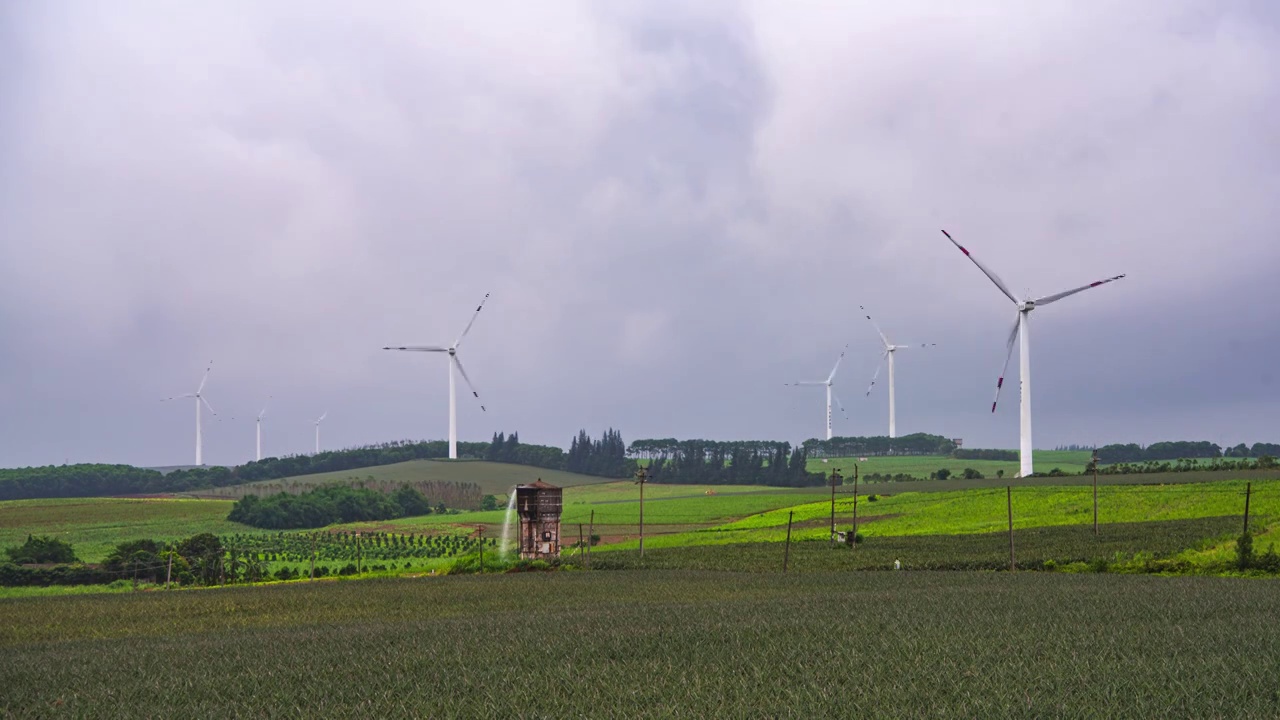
x=832, y=376
x=1055, y=298
x=986, y=271
x=1013, y=336
x=206, y=404
x=178, y=397
x=839, y=404
x=458, y=362
x=323, y=415
x=264, y=408
x=419, y=348
x=814, y=382
x=883, y=339
x=467, y=329
x=879, y=365
x=205, y=379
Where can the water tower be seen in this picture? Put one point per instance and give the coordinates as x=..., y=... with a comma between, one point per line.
x=538, y=504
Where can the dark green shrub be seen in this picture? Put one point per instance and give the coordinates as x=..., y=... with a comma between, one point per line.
x=40, y=550
x=1099, y=565
x=1244, y=551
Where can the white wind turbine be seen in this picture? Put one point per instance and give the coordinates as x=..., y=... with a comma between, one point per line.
x=889, y=350
x=259, y=425
x=827, y=383
x=1020, y=332
x=318, y=421
x=199, y=401
x=452, y=350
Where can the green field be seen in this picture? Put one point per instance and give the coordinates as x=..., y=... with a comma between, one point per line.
x=655, y=644
x=1069, y=461
x=684, y=515
x=493, y=478
x=96, y=525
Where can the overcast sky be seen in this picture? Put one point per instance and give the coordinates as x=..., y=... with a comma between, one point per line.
x=677, y=208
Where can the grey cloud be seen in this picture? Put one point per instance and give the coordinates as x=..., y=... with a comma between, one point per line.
x=676, y=208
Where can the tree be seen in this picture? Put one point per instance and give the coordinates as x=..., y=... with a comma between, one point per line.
x=411, y=501
x=942, y=474
x=203, y=553
x=41, y=549
x=489, y=502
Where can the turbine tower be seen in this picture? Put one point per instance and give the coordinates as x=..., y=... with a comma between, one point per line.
x=199, y=398
x=827, y=383
x=453, y=360
x=889, y=350
x=318, y=421
x=1021, y=333
x=259, y=424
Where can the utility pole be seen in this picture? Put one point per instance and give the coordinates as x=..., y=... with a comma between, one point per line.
x=168, y=574
x=1095, y=492
x=359, y=555
x=854, y=542
x=1012, y=564
x=480, y=530
x=786, y=555
x=641, y=477
x=313, y=556
x=835, y=475
x=581, y=547
x=1248, y=490
x=591, y=533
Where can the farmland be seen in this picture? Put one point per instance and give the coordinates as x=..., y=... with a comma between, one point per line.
x=655, y=644
x=493, y=478
x=921, y=466
x=95, y=525
x=685, y=515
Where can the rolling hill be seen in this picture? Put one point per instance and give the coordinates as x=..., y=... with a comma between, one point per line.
x=492, y=477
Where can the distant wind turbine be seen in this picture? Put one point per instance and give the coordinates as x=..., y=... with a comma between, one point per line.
x=1020, y=332
x=318, y=421
x=259, y=426
x=199, y=401
x=827, y=383
x=889, y=350
x=452, y=350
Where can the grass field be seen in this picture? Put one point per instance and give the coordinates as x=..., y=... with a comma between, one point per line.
x=1069, y=461
x=655, y=644
x=96, y=525
x=493, y=478
x=679, y=515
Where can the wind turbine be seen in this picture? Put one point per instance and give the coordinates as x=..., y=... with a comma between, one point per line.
x=1020, y=332
x=453, y=360
x=259, y=424
x=889, y=350
x=199, y=400
x=827, y=383
x=318, y=420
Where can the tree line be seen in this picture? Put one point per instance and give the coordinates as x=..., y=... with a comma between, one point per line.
x=1176, y=450
x=913, y=444
x=606, y=457
x=984, y=454
x=330, y=504
x=92, y=480
x=708, y=462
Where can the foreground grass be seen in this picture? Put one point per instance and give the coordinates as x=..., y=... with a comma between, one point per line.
x=656, y=644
